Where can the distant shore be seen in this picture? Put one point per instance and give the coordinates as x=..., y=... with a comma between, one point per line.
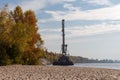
x=26, y=72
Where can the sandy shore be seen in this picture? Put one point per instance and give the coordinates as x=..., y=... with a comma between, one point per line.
x=20, y=72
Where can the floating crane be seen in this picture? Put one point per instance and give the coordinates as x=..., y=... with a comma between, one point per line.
x=64, y=59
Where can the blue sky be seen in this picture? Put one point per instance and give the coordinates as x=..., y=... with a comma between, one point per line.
x=92, y=26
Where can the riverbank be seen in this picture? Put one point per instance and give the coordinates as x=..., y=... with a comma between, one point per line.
x=25, y=72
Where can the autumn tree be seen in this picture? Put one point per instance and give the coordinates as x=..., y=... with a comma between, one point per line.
x=35, y=41
x=19, y=38
x=18, y=14
x=28, y=37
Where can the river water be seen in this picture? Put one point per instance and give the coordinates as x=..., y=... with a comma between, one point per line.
x=99, y=65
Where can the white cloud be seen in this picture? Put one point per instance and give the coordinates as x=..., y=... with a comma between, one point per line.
x=60, y=1
x=30, y=4
x=51, y=37
x=99, y=2
x=51, y=30
x=33, y=4
x=93, y=29
x=107, y=13
x=38, y=4
x=42, y=21
x=70, y=7
x=87, y=30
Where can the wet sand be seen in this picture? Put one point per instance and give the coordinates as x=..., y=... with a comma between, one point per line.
x=25, y=72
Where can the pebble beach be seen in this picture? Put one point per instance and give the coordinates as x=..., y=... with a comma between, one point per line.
x=33, y=72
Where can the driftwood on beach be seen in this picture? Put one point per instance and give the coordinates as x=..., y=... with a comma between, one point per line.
x=25, y=72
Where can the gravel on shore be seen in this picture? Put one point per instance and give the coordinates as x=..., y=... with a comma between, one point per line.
x=33, y=72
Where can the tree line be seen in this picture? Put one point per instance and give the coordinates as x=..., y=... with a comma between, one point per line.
x=79, y=59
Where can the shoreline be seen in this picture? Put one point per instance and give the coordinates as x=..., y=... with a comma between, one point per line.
x=37, y=72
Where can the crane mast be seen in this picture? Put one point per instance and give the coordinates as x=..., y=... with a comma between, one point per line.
x=64, y=46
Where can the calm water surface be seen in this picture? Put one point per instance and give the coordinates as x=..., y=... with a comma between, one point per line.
x=99, y=65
